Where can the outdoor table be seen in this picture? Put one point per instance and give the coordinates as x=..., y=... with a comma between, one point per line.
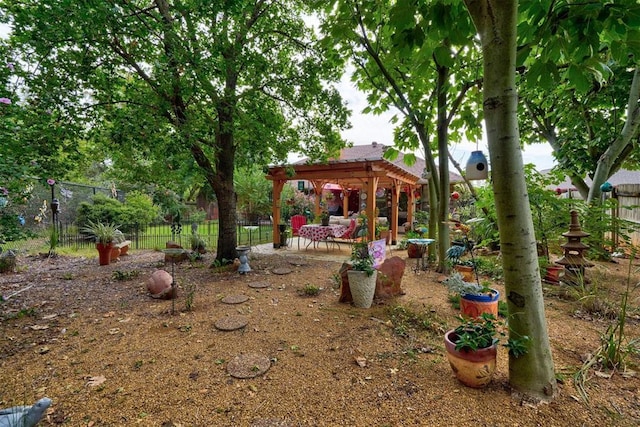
x=423, y=243
x=316, y=232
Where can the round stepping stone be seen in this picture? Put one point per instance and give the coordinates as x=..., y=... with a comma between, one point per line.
x=231, y=323
x=248, y=366
x=297, y=261
x=270, y=422
x=235, y=299
x=281, y=271
x=258, y=285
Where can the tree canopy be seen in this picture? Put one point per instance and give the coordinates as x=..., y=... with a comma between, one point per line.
x=201, y=85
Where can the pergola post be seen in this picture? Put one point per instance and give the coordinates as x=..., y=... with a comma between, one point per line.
x=372, y=185
x=395, y=202
x=345, y=202
x=278, y=185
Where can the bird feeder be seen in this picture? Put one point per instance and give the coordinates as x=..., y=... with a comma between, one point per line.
x=573, y=260
x=477, y=167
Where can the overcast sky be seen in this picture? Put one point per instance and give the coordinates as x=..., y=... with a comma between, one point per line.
x=368, y=128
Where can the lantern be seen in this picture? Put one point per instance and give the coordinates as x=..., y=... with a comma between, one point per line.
x=477, y=167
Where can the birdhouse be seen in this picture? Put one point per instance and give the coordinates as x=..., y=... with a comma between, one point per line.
x=477, y=167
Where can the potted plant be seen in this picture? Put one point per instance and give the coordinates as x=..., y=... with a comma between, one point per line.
x=465, y=268
x=362, y=276
x=382, y=231
x=550, y=272
x=472, y=349
x=103, y=234
x=413, y=249
x=324, y=217
x=475, y=298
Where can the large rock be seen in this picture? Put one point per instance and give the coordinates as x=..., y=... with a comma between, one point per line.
x=389, y=279
x=388, y=283
x=159, y=285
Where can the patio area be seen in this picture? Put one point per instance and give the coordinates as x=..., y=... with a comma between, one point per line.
x=335, y=252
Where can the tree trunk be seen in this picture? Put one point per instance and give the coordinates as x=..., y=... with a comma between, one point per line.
x=610, y=157
x=443, y=169
x=531, y=375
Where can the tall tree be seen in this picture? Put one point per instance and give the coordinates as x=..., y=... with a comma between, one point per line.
x=418, y=57
x=581, y=84
x=531, y=375
x=227, y=81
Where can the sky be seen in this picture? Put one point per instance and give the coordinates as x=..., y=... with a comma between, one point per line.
x=368, y=128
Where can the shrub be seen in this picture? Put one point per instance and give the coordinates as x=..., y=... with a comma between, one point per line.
x=137, y=211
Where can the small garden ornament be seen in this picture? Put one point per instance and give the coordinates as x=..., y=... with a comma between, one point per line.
x=24, y=416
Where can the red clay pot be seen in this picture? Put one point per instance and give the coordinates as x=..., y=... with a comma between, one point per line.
x=472, y=368
x=104, y=253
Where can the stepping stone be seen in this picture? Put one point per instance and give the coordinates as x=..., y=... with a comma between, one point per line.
x=231, y=323
x=270, y=422
x=235, y=299
x=297, y=261
x=258, y=285
x=248, y=366
x=281, y=271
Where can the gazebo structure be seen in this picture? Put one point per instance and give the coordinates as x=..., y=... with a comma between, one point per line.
x=359, y=168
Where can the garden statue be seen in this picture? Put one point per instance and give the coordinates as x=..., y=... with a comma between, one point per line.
x=24, y=416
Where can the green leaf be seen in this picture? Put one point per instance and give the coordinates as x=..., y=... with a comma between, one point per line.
x=578, y=79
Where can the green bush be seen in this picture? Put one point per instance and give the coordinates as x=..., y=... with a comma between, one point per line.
x=138, y=210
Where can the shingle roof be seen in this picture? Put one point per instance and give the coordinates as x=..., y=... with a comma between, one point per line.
x=623, y=176
x=375, y=151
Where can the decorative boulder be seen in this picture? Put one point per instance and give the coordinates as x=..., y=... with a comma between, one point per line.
x=7, y=261
x=390, y=278
x=388, y=281
x=159, y=285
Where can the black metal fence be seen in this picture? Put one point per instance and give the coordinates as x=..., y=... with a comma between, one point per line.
x=152, y=237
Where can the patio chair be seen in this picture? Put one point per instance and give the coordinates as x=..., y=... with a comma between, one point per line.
x=297, y=221
x=347, y=236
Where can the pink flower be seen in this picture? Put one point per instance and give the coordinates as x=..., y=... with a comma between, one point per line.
x=10, y=66
x=5, y=101
x=51, y=181
x=4, y=191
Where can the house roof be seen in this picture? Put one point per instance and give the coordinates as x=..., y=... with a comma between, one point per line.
x=335, y=170
x=623, y=176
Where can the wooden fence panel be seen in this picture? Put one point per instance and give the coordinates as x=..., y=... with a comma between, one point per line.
x=628, y=195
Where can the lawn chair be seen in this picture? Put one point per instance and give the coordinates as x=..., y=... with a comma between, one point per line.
x=297, y=221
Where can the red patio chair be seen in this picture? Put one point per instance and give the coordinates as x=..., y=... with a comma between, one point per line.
x=297, y=221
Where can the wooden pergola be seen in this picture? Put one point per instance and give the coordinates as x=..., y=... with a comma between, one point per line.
x=365, y=175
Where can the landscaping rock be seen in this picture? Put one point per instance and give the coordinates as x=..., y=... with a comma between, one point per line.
x=388, y=282
x=159, y=285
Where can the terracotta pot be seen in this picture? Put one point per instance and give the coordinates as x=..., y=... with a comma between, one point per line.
x=363, y=287
x=415, y=250
x=104, y=253
x=466, y=271
x=472, y=368
x=552, y=274
x=474, y=305
x=115, y=253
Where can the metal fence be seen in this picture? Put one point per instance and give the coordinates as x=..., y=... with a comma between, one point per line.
x=153, y=237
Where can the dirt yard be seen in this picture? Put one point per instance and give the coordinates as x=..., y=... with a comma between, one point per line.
x=91, y=339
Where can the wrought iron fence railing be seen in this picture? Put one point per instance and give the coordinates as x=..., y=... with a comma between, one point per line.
x=154, y=236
